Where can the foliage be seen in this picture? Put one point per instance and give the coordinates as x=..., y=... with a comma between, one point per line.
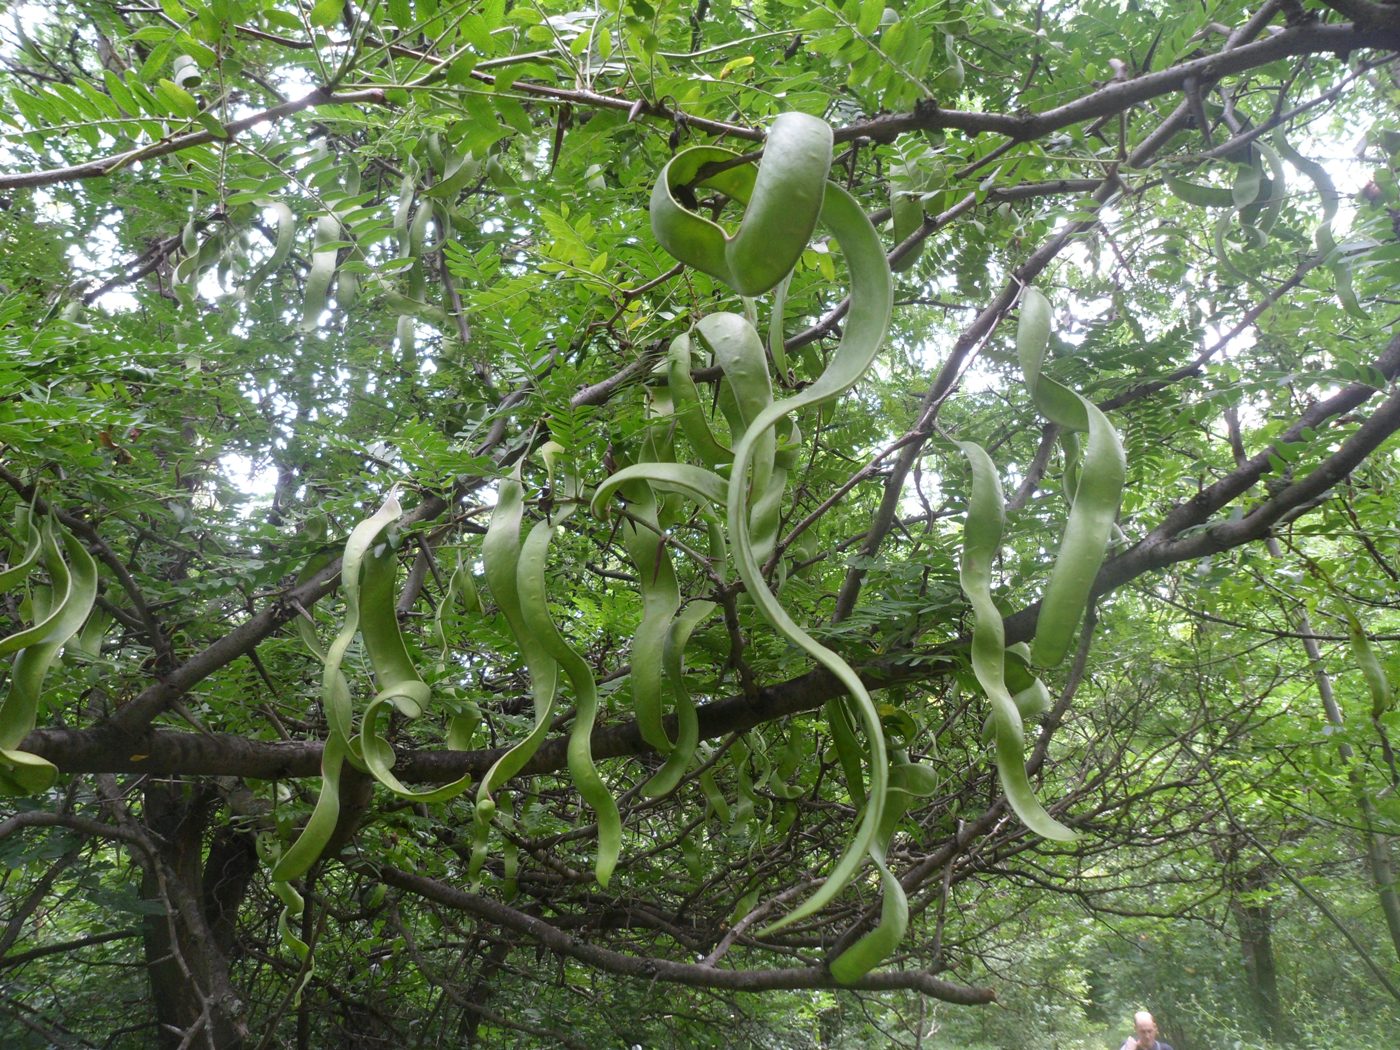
x=290, y=289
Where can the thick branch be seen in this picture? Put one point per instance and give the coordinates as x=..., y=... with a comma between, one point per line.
x=1106, y=101
x=646, y=969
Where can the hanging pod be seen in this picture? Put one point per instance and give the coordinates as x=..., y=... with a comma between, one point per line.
x=324, y=256
x=982, y=532
x=401, y=689
x=368, y=574
x=531, y=580
x=783, y=199
x=682, y=753
x=661, y=599
x=336, y=705
x=59, y=609
x=908, y=782
x=286, y=228
x=1334, y=257
x=1102, y=472
x=500, y=552
x=866, y=324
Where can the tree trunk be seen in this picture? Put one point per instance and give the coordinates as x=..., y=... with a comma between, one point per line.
x=185, y=963
x=1255, y=923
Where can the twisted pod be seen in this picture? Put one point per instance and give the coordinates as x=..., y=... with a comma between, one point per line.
x=368, y=573
x=784, y=198
x=59, y=609
x=1097, y=491
x=982, y=532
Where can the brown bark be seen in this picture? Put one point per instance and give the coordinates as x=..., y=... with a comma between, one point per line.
x=187, y=970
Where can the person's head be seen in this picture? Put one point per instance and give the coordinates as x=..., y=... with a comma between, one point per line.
x=1144, y=1027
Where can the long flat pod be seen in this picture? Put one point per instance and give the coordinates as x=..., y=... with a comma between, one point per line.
x=1097, y=494
x=783, y=199
x=72, y=593
x=322, y=272
x=688, y=410
x=687, y=720
x=661, y=598
x=866, y=324
x=28, y=528
x=907, y=782
x=705, y=487
x=982, y=534
x=500, y=552
x=297, y=859
x=531, y=578
x=401, y=688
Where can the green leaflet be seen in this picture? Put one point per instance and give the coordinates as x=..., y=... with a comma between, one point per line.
x=1102, y=471
x=59, y=610
x=982, y=533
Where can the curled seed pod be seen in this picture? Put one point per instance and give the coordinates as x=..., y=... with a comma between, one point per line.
x=401, y=688
x=459, y=172
x=982, y=533
x=783, y=200
x=866, y=324
x=500, y=552
x=661, y=599
x=1198, y=195
x=686, y=404
x=665, y=779
x=908, y=214
x=531, y=577
x=1097, y=494
x=59, y=612
x=318, y=280
x=285, y=237
x=297, y=859
x=907, y=783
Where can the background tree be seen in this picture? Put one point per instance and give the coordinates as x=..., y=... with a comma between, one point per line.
x=266, y=266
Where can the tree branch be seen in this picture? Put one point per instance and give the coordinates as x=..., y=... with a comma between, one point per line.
x=93, y=169
x=698, y=976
